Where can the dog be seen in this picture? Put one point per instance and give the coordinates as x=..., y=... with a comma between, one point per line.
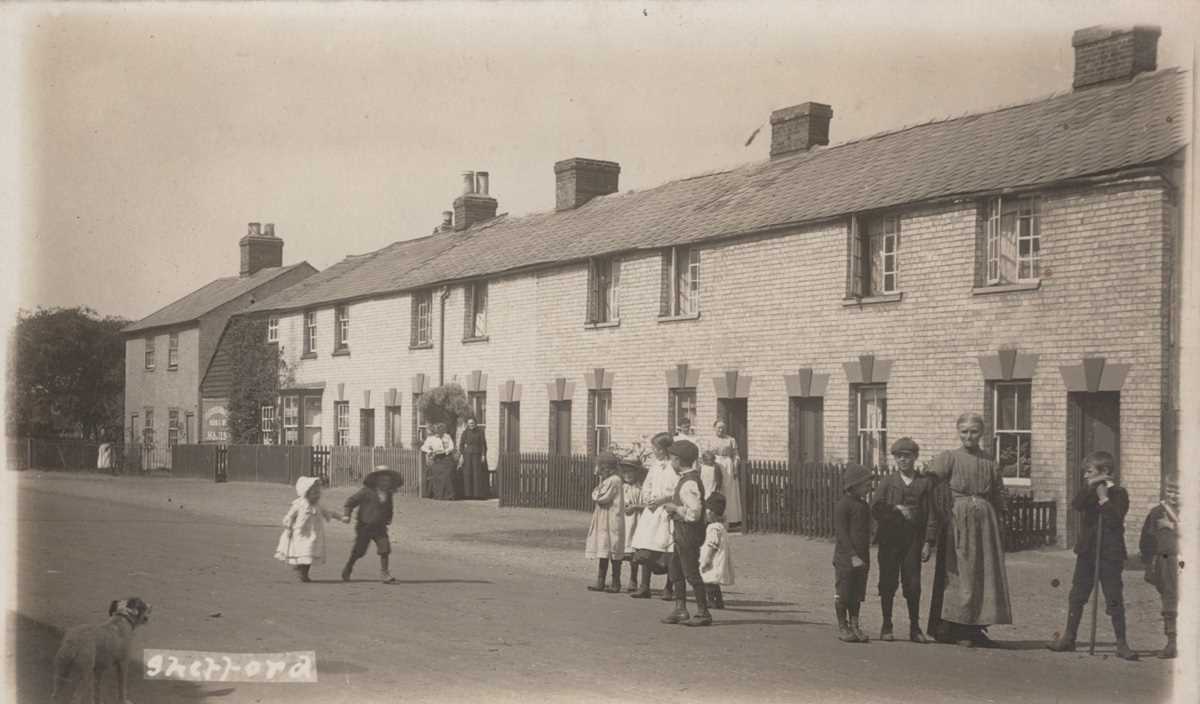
x=88, y=651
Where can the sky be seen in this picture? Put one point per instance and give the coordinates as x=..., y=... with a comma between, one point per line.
x=149, y=136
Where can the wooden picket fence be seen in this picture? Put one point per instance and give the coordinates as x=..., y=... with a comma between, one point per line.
x=778, y=497
x=71, y=454
x=542, y=480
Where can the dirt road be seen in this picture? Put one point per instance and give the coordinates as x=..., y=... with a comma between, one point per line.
x=471, y=624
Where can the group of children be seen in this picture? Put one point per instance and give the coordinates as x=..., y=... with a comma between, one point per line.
x=699, y=554
x=302, y=543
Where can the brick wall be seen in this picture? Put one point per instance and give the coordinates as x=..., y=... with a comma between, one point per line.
x=773, y=304
x=162, y=389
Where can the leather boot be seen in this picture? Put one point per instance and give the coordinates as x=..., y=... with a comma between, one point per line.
x=844, y=633
x=385, y=575
x=348, y=570
x=1123, y=650
x=1169, y=651
x=643, y=591
x=1066, y=642
x=885, y=603
x=668, y=593
x=855, y=627
x=680, y=614
x=601, y=574
x=615, y=587
x=303, y=570
x=633, y=576
x=715, y=598
x=702, y=617
x=914, y=620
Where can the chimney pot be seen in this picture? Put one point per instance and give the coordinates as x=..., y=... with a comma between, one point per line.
x=447, y=218
x=1109, y=54
x=473, y=205
x=799, y=128
x=481, y=182
x=260, y=249
x=253, y=229
x=269, y=230
x=468, y=182
x=578, y=180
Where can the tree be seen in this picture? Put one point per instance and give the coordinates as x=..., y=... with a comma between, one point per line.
x=256, y=369
x=445, y=404
x=67, y=374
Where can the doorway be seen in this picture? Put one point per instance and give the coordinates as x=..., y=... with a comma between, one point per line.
x=733, y=412
x=510, y=427
x=1093, y=424
x=560, y=427
x=806, y=430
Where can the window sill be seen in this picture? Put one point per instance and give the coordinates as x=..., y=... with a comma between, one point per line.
x=1018, y=481
x=678, y=318
x=309, y=355
x=342, y=352
x=1007, y=288
x=148, y=369
x=422, y=346
x=468, y=340
x=872, y=300
x=604, y=324
x=173, y=369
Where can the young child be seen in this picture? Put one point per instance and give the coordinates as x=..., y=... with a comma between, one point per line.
x=374, y=504
x=710, y=476
x=851, y=553
x=1101, y=502
x=906, y=535
x=606, y=535
x=687, y=515
x=1160, y=551
x=632, y=475
x=302, y=543
x=716, y=559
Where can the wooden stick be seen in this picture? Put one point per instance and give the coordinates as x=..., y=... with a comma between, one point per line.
x=1094, y=595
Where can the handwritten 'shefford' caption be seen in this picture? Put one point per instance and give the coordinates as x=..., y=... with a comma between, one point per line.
x=200, y=666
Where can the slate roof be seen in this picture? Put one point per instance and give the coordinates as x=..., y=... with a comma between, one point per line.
x=1082, y=133
x=206, y=298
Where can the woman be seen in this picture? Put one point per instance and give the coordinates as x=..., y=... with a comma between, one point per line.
x=472, y=447
x=439, y=453
x=652, y=536
x=725, y=448
x=970, y=587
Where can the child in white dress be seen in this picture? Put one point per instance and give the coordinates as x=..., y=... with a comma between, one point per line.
x=302, y=543
x=632, y=475
x=716, y=562
x=606, y=535
x=710, y=475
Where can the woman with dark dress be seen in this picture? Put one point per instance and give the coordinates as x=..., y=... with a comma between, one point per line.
x=439, y=456
x=472, y=448
x=970, y=584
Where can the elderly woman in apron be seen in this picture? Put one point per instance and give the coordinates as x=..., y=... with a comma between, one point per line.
x=724, y=448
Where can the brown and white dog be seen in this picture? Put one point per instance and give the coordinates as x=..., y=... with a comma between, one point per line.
x=88, y=651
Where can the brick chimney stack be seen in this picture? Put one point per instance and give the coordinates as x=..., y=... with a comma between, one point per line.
x=1110, y=54
x=799, y=128
x=474, y=205
x=261, y=249
x=579, y=180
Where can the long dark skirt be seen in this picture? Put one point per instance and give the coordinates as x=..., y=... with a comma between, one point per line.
x=443, y=480
x=475, y=478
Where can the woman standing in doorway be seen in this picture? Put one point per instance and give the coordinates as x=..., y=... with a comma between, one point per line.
x=970, y=585
x=439, y=455
x=724, y=447
x=472, y=447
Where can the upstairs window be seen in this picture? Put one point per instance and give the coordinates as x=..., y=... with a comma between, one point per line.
x=874, y=256
x=680, y=294
x=422, y=319
x=149, y=343
x=604, y=281
x=1012, y=240
x=310, y=332
x=475, y=303
x=273, y=329
x=341, y=316
x=173, y=351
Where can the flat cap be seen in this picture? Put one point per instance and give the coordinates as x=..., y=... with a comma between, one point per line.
x=906, y=444
x=686, y=451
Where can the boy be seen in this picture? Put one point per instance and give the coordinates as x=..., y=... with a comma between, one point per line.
x=374, y=503
x=1100, y=502
x=851, y=553
x=1160, y=551
x=906, y=536
x=687, y=517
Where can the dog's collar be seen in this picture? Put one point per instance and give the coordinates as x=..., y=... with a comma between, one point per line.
x=128, y=618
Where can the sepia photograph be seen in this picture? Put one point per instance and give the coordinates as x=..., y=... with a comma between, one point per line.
x=580, y=351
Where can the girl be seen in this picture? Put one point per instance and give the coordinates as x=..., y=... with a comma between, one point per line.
x=302, y=543
x=710, y=476
x=606, y=536
x=716, y=562
x=652, y=541
x=632, y=475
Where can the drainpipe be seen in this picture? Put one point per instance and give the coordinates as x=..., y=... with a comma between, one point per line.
x=443, y=295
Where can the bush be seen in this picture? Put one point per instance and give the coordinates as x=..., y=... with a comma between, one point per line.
x=445, y=404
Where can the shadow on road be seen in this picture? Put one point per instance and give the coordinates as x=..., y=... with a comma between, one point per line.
x=404, y=581
x=768, y=622
x=34, y=645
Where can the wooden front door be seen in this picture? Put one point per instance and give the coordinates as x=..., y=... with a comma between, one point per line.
x=1093, y=424
x=366, y=427
x=733, y=412
x=560, y=427
x=806, y=430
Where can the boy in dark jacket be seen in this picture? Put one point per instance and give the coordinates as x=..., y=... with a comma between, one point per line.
x=687, y=515
x=1101, y=502
x=906, y=534
x=374, y=504
x=1159, y=547
x=851, y=553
